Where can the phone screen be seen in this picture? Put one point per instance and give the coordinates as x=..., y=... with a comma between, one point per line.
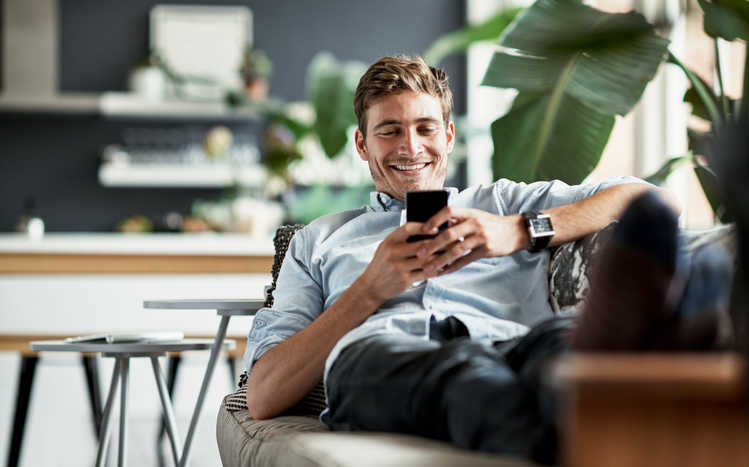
x=421, y=206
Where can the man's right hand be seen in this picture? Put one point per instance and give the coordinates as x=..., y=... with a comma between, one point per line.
x=395, y=266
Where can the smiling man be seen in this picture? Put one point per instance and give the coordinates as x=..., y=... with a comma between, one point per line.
x=459, y=356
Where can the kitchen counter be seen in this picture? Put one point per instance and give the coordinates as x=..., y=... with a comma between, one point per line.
x=135, y=253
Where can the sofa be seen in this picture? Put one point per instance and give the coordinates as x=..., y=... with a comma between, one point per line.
x=297, y=438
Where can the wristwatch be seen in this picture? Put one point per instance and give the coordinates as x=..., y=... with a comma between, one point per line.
x=540, y=229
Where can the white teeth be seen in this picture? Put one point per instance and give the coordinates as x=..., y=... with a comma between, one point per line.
x=410, y=167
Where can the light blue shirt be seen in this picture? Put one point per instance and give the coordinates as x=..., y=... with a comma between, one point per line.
x=496, y=298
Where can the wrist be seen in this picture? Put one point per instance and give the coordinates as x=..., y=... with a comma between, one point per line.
x=362, y=294
x=522, y=237
x=540, y=230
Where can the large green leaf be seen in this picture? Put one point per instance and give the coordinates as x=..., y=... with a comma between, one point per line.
x=582, y=66
x=700, y=143
x=532, y=143
x=711, y=187
x=458, y=41
x=706, y=95
x=727, y=19
x=669, y=167
x=331, y=86
x=605, y=60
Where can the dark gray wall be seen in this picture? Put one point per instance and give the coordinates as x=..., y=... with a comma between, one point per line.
x=54, y=158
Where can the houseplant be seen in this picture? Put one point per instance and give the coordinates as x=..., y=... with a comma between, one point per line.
x=576, y=67
x=723, y=20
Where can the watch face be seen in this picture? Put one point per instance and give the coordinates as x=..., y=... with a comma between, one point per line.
x=541, y=225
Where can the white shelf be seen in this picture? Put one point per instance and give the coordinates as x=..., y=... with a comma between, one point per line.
x=117, y=104
x=204, y=176
x=57, y=103
x=114, y=104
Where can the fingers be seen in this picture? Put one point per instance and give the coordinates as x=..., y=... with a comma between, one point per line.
x=443, y=241
x=444, y=215
x=469, y=258
x=454, y=253
x=403, y=232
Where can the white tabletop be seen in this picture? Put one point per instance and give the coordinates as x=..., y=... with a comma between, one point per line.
x=128, y=347
x=208, y=243
x=231, y=306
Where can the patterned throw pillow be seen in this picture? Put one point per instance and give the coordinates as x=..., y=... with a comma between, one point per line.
x=571, y=263
x=570, y=269
x=314, y=402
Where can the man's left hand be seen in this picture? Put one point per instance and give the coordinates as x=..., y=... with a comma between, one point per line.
x=471, y=234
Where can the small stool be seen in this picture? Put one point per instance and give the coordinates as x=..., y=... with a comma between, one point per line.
x=122, y=352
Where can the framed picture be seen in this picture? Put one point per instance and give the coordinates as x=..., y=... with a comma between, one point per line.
x=204, y=42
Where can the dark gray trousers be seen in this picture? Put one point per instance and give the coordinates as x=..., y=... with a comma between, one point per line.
x=483, y=397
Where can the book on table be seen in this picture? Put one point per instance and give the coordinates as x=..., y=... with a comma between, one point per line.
x=118, y=338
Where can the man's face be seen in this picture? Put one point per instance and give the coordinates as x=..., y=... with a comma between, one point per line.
x=407, y=143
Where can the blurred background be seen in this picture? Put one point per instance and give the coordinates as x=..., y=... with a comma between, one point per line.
x=149, y=149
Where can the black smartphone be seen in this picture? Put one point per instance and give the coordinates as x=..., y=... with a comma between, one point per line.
x=421, y=206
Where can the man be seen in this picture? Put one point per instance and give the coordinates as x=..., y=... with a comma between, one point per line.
x=445, y=337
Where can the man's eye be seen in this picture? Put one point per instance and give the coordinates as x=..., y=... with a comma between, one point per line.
x=388, y=132
x=428, y=130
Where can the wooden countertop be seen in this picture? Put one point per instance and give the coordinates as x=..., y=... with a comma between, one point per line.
x=113, y=253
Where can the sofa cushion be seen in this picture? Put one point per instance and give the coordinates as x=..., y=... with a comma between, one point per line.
x=304, y=442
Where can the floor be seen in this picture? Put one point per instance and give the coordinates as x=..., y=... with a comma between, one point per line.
x=59, y=430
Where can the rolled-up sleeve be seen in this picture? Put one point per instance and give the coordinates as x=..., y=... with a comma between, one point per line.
x=298, y=300
x=514, y=197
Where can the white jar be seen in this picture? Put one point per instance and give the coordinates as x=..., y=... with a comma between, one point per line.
x=148, y=82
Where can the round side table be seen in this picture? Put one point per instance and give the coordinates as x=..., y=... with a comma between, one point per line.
x=122, y=353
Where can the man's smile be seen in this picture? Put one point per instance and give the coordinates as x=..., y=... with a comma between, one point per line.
x=412, y=168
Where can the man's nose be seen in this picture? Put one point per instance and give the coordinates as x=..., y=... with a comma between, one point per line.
x=412, y=141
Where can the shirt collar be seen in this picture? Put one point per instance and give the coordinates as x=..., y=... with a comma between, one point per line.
x=382, y=202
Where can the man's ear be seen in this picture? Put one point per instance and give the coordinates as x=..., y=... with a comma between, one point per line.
x=450, y=132
x=361, y=147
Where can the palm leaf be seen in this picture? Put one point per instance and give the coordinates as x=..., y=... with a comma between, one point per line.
x=700, y=143
x=585, y=65
x=530, y=143
x=708, y=97
x=727, y=19
x=669, y=167
x=711, y=186
x=460, y=40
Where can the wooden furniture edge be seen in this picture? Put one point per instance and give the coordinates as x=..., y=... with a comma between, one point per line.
x=672, y=375
x=76, y=263
x=20, y=342
x=669, y=410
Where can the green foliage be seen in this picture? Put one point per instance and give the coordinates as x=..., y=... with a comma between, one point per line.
x=660, y=176
x=726, y=19
x=330, y=87
x=460, y=40
x=575, y=67
x=319, y=200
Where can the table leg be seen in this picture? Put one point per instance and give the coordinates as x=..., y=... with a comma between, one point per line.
x=106, y=417
x=23, y=395
x=232, y=370
x=166, y=405
x=91, y=369
x=215, y=350
x=124, y=372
